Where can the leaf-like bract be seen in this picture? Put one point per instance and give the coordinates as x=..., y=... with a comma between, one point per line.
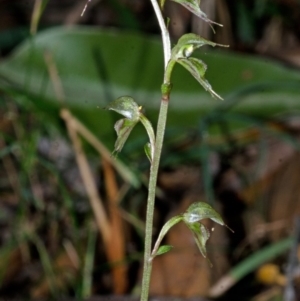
x=194, y=7
x=169, y=224
x=163, y=249
x=197, y=68
x=199, y=211
x=125, y=106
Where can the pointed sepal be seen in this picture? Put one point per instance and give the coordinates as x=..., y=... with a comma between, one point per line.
x=197, y=68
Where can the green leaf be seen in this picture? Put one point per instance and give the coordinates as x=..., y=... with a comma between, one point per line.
x=201, y=235
x=199, y=211
x=125, y=106
x=92, y=74
x=163, y=249
x=194, y=7
x=197, y=68
x=123, y=128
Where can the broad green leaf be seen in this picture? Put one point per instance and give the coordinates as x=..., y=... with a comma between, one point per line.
x=163, y=249
x=199, y=211
x=201, y=235
x=123, y=128
x=125, y=106
x=194, y=7
x=197, y=68
x=92, y=68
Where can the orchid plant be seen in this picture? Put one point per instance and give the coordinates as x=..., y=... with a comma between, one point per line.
x=181, y=54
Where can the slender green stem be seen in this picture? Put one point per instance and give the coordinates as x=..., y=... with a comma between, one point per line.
x=161, y=124
x=148, y=126
x=164, y=31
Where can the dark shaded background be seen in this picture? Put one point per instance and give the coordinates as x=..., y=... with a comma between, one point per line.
x=45, y=246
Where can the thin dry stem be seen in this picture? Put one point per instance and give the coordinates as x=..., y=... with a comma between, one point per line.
x=72, y=253
x=11, y=172
x=84, y=168
x=36, y=14
x=76, y=14
x=87, y=177
x=55, y=79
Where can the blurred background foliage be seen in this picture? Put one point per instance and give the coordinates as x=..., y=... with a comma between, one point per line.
x=72, y=217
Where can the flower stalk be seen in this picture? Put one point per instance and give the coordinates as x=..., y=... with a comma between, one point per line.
x=161, y=125
x=127, y=107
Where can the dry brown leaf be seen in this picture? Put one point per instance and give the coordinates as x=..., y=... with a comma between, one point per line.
x=115, y=248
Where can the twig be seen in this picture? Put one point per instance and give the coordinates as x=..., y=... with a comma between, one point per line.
x=76, y=13
x=87, y=177
x=85, y=7
x=36, y=14
x=55, y=79
x=11, y=172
